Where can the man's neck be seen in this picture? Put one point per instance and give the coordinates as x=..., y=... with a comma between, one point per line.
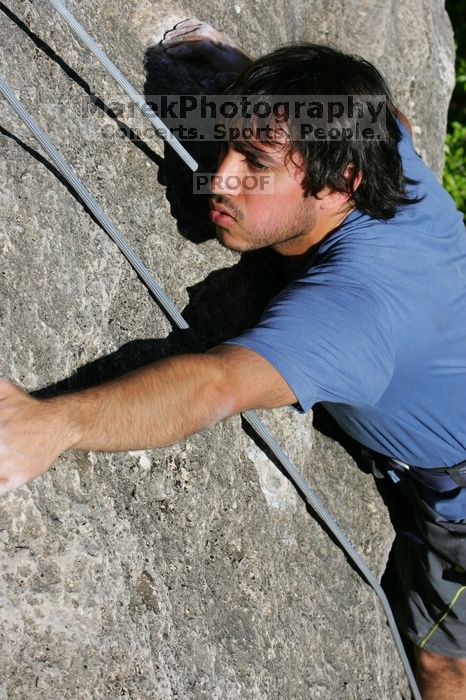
x=300, y=248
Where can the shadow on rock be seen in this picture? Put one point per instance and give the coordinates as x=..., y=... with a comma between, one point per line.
x=220, y=307
x=324, y=423
x=95, y=102
x=167, y=76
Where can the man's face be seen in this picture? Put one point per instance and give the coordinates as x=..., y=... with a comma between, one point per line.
x=284, y=220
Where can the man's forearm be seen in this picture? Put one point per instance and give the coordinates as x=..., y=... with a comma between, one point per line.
x=151, y=407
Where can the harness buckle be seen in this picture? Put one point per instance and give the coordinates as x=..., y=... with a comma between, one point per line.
x=442, y=479
x=458, y=473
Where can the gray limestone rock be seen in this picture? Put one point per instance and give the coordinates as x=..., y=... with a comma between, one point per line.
x=194, y=571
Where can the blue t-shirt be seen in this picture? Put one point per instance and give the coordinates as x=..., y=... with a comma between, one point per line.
x=374, y=326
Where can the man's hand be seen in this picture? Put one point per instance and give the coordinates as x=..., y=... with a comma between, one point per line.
x=193, y=38
x=32, y=436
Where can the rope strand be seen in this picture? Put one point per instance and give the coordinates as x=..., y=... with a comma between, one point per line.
x=132, y=93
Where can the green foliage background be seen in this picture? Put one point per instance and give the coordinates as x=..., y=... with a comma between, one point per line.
x=454, y=176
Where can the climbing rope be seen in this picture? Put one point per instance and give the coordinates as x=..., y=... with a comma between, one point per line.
x=250, y=416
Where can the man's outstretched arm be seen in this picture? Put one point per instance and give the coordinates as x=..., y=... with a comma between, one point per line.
x=150, y=407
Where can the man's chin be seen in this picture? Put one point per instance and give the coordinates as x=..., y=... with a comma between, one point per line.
x=228, y=241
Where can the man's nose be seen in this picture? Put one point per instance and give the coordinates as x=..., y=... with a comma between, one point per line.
x=227, y=179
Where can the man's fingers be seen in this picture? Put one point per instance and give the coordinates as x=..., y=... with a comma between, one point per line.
x=189, y=26
x=191, y=32
x=33, y=433
x=4, y=386
x=187, y=37
x=4, y=486
x=191, y=38
x=194, y=48
x=188, y=20
x=179, y=38
x=11, y=483
x=173, y=34
x=181, y=28
x=7, y=388
x=223, y=79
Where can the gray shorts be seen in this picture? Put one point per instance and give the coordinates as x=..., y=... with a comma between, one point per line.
x=425, y=579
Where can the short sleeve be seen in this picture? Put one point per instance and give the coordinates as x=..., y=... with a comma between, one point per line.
x=330, y=342
x=406, y=147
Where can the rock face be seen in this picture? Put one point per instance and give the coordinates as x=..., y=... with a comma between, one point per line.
x=194, y=571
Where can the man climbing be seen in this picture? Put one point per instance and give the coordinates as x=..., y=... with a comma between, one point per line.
x=372, y=325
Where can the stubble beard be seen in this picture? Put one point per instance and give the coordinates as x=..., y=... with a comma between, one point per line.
x=272, y=234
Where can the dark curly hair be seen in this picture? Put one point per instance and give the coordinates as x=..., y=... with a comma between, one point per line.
x=307, y=69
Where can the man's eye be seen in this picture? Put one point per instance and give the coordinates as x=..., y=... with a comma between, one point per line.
x=255, y=164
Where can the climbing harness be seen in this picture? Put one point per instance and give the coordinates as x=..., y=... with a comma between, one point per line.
x=250, y=416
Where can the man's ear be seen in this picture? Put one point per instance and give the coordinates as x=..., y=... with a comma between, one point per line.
x=349, y=173
x=332, y=199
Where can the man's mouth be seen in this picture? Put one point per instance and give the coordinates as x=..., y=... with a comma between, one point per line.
x=220, y=215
